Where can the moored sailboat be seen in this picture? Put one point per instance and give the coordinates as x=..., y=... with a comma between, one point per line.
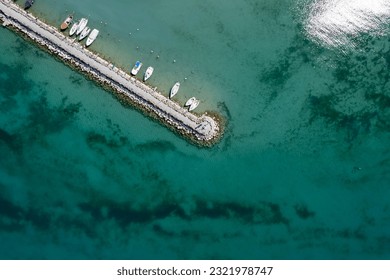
x=190, y=101
x=174, y=90
x=194, y=104
x=85, y=33
x=82, y=24
x=74, y=28
x=148, y=73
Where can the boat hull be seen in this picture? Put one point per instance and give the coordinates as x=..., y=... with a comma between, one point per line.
x=82, y=24
x=28, y=4
x=148, y=73
x=92, y=36
x=84, y=33
x=190, y=101
x=194, y=105
x=73, y=29
x=136, y=68
x=66, y=23
x=174, y=90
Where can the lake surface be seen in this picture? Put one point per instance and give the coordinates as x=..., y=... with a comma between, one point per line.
x=302, y=172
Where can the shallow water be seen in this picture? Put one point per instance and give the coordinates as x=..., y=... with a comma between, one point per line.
x=301, y=173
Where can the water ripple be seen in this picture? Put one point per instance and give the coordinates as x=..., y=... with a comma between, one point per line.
x=340, y=23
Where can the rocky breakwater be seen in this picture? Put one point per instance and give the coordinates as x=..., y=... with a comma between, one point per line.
x=203, y=130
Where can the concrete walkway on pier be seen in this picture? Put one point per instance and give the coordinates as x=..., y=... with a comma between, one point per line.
x=203, y=128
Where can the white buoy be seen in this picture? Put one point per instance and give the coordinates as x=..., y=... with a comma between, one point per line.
x=174, y=61
x=151, y=51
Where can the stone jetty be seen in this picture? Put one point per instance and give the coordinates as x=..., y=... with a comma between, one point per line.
x=204, y=130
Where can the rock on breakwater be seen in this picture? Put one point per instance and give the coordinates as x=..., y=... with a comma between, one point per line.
x=203, y=130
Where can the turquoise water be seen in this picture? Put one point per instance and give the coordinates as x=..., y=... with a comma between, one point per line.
x=301, y=173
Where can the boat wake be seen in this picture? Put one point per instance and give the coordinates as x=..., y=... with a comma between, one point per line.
x=340, y=23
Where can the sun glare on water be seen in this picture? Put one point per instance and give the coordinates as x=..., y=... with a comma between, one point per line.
x=338, y=23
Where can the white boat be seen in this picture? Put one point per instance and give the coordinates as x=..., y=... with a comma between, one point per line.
x=92, y=37
x=194, y=104
x=190, y=101
x=174, y=90
x=82, y=24
x=73, y=29
x=84, y=33
x=148, y=73
x=136, y=68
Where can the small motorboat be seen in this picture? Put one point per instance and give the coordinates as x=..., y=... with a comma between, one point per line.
x=136, y=68
x=174, y=90
x=73, y=29
x=190, y=101
x=194, y=104
x=84, y=33
x=28, y=4
x=148, y=73
x=92, y=37
x=66, y=22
